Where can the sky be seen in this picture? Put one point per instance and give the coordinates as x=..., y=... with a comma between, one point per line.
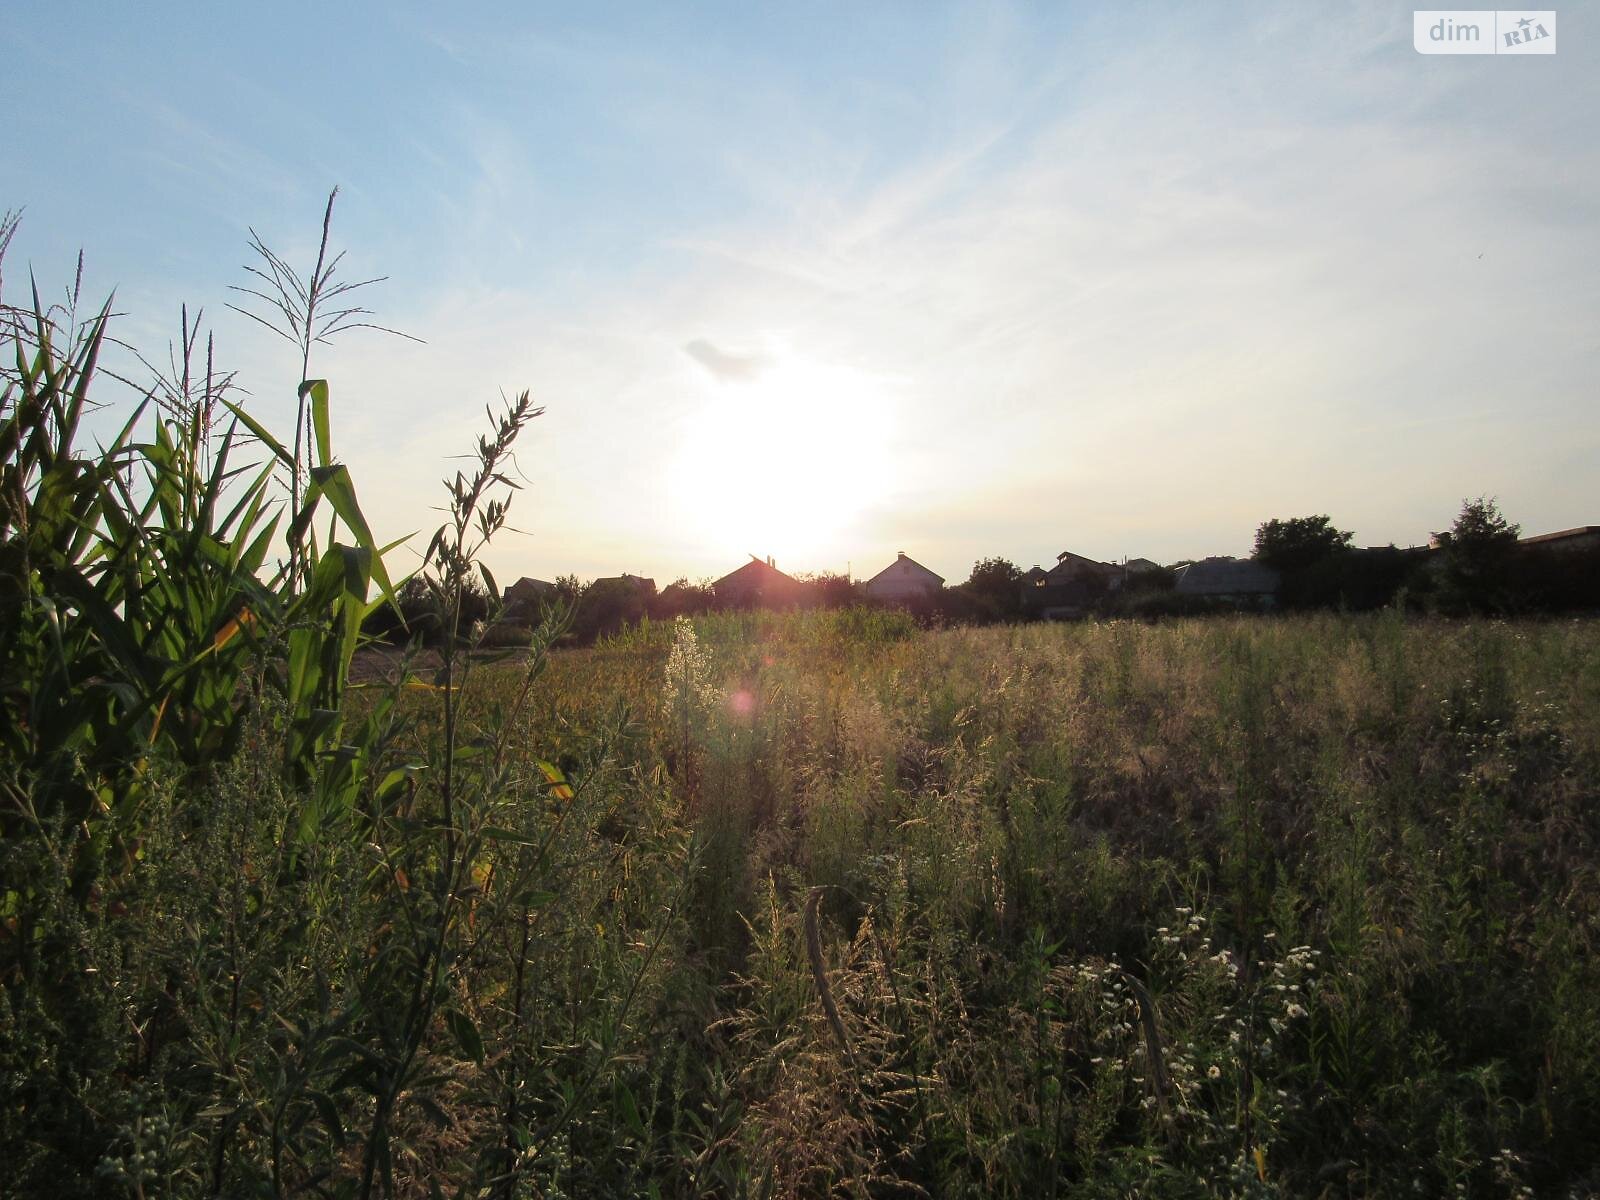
x=830, y=281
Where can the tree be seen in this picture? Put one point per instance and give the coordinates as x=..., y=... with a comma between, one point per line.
x=827, y=589
x=1299, y=542
x=680, y=598
x=996, y=585
x=419, y=615
x=1476, y=552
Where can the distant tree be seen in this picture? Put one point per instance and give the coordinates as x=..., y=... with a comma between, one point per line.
x=1358, y=580
x=414, y=616
x=680, y=598
x=1158, y=579
x=1476, y=553
x=1298, y=543
x=609, y=604
x=828, y=590
x=419, y=615
x=995, y=586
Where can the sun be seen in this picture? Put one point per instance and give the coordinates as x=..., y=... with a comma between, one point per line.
x=785, y=463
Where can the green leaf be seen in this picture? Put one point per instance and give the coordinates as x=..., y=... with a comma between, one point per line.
x=630, y=1110
x=465, y=1033
x=431, y=1106
x=496, y=834
x=263, y=435
x=395, y=781
x=329, y=1113
x=334, y=482
x=317, y=389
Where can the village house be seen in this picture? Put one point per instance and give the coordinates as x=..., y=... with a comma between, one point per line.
x=1068, y=589
x=638, y=585
x=1228, y=580
x=904, y=581
x=523, y=600
x=1075, y=568
x=757, y=584
x=1565, y=541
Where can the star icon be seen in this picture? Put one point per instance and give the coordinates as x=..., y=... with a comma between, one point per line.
x=1524, y=23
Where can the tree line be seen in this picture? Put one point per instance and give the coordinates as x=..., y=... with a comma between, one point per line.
x=1477, y=566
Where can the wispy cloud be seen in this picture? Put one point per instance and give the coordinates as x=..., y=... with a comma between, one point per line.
x=725, y=365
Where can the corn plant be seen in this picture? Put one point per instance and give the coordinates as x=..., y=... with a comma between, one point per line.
x=132, y=595
x=139, y=623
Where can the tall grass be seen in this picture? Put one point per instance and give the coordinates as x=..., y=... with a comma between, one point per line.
x=1349, y=861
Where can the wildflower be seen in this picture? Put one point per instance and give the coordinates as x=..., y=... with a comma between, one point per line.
x=1214, y=1073
x=689, y=691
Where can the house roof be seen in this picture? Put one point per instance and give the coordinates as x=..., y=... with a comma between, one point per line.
x=757, y=573
x=1068, y=564
x=1141, y=564
x=1561, y=535
x=1227, y=577
x=904, y=560
x=638, y=581
x=529, y=584
x=1069, y=556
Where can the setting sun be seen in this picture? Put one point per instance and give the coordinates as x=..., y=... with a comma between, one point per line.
x=784, y=458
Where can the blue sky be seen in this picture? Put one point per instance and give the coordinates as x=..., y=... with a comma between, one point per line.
x=827, y=282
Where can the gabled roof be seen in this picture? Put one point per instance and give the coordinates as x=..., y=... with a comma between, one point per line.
x=529, y=584
x=637, y=581
x=905, y=560
x=523, y=598
x=1069, y=564
x=1561, y=535
x=757, y=573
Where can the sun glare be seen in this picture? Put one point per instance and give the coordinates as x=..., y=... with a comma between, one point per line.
x=786, y=462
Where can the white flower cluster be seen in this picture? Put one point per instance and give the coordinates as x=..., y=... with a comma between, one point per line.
x=1232, y=1018
x=689, y=693
x=1220, y=1022
x=1507, y=1167
x=1113, y=1015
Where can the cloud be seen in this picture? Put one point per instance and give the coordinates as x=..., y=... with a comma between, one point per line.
x=727, y=366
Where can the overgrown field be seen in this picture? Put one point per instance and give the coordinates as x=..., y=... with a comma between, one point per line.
x=825, y=904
